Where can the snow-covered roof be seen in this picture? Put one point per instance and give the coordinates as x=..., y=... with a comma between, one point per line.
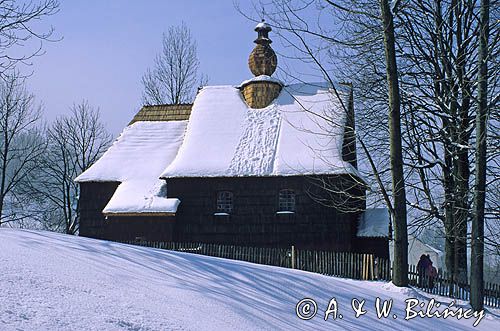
x=374, y=222
x=136, y=159
x=141, y=196
x=299, y=133
x=434, y=249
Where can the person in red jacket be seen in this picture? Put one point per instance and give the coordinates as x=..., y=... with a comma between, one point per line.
x=431, y=274
x=422, y=265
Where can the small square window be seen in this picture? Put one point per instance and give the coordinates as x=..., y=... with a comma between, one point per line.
x=225, y=202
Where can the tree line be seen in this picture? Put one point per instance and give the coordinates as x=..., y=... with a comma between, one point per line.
x=39, y=161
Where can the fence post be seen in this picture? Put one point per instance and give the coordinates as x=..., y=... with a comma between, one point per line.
x=293, y=257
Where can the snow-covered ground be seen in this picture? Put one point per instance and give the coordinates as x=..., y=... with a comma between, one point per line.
x=51, y=281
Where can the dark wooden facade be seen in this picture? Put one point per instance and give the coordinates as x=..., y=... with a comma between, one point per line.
x=379, y=246
x=254, y=220
x=93, y=224
x=151, y=228
x=94, y=196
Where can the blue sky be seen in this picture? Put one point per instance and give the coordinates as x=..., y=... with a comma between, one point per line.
x=107, y=45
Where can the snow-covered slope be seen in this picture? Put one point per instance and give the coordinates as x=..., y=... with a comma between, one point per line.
x=50, y=281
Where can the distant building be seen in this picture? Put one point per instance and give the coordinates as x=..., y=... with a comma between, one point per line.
x=242, y=165
x=417, y=247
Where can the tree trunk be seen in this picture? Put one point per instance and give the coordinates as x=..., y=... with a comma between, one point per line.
x=400, y=263
x=449, y=245
x=462, y=163
x=461, y=214
x=477, y=242
x=1, y=208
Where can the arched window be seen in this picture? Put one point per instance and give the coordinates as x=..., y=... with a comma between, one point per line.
x=225, y=202
x=286, y=201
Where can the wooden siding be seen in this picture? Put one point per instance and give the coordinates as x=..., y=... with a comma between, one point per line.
x=94, y=196
x=125, y=228
x=377, y=246
x=254, y=220
x=349, y=142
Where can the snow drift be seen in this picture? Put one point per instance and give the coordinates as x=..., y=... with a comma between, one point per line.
x=51, y=282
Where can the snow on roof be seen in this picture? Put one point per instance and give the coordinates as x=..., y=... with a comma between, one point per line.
x=141, y=196
x=300, y=133
x=136, y=159
x=374, y=222
x=261, y=78
x=142, y=150
x=412, y=239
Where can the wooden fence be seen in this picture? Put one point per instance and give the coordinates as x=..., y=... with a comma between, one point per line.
x=339, y=264
x=444, y=285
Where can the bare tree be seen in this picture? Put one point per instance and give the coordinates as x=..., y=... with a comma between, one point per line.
x=174, y=76
x=435, y=47
x=74, y=142
x=17, y=28
x=20, y=143
x=346, y=29
x=438, y=52
x=477, y=241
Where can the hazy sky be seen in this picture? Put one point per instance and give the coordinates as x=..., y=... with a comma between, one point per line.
x=108, y=44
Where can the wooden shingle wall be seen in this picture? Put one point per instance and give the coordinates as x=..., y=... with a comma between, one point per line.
x=254, y=220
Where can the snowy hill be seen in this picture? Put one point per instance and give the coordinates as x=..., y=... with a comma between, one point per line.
x=51, y=281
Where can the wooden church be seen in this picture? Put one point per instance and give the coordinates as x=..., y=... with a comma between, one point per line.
x=258, y=164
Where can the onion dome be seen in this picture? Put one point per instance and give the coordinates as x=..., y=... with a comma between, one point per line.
x=262, y=60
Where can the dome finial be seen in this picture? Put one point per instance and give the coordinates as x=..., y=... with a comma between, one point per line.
x=260, y=91
x=262, y=60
